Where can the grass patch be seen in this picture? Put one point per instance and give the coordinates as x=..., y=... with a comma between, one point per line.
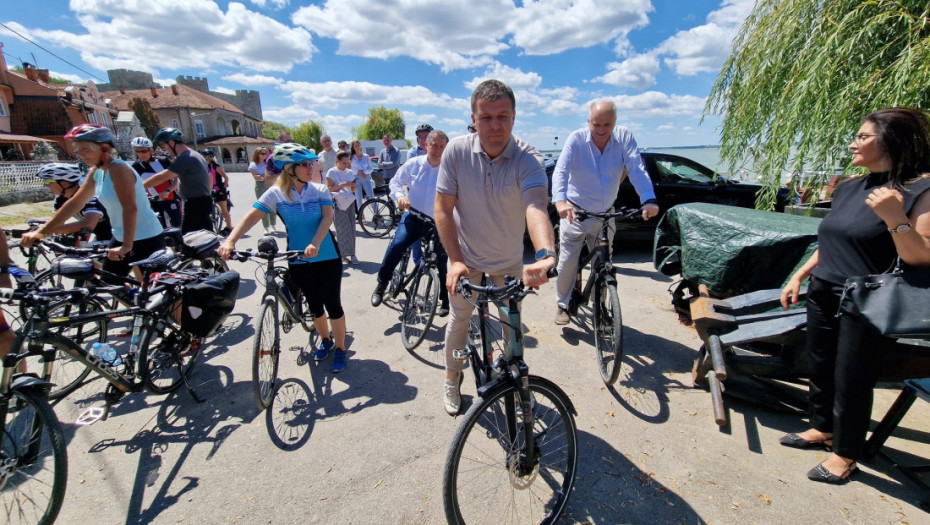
x=16, y=214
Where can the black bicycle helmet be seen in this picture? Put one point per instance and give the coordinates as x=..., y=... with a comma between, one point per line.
x=60, y=171
x=424, y=127
x=166, y=134
x=207, y=151
x=92, y=133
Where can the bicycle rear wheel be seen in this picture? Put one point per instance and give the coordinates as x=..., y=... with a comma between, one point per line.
x=377, y=217
x=420, y=308
x=168, y=355
x=34, y=461
x=485, y=479
x=216, y=218
x=608, y=331
x=266, y=350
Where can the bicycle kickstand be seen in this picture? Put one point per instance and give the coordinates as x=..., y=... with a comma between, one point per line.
x=190, y=389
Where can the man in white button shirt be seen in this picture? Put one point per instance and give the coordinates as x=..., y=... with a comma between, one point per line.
x=588, y=174
x=419, y=175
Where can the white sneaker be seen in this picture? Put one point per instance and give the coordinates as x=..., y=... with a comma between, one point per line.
x=452, y=397
x=268, y=230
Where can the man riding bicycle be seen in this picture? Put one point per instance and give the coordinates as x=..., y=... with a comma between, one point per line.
x=419, y=175
x=588, y=174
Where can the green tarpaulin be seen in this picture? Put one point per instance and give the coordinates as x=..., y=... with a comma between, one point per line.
x=732, y=250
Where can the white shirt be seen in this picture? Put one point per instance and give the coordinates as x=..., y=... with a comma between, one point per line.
x=420, y=179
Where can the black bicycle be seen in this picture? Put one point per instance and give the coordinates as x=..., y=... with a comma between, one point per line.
x=378, y=215
x=279, y=291
x=602, y=281
x=423, y=295
x=514, y=455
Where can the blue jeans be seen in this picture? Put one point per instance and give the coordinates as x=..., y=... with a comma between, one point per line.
x=410, y=230
x=364, y=185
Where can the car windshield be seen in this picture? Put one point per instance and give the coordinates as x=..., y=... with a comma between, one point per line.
x=677, y=172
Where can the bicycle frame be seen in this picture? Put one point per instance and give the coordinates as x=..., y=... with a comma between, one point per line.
x=601, y=265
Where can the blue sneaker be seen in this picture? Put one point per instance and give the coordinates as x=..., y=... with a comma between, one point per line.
x=323, y=351
x=339, y=360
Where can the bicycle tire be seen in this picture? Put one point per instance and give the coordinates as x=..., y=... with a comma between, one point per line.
x=33, y=443
x=479, y=466
x=608, y=331
x=377, y=217
x=266, y=351
x=167, y=356
x=69, y=373
x=399, y=277
x=213, y=264
x=420, y=308
x=216, y=218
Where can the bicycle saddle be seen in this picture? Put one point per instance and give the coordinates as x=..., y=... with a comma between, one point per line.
x=156, y=262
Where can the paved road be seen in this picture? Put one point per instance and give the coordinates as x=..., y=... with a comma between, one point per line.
x=367, y=445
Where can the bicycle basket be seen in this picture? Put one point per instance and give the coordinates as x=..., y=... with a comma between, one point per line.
x=207, y=303
x=200, y=243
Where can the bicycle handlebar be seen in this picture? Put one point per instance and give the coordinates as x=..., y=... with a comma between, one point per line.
x=245, y=255
x=422, y=216
x=512, y=286
x=7, y=295
x=61, y=249
x=623, y=214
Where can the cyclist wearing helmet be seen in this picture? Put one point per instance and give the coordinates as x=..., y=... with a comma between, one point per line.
x=136, y=230
x=164, y=198
x=420, y=149
x=63, y=180
x=220, y=183
x=192, y=172
x=306, y=208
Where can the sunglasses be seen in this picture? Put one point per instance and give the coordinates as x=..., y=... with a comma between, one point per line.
x=308, y=163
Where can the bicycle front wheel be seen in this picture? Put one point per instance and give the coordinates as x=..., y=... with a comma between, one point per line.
x=376, y=217
x=420, y=308
x=216, y=218
x=266, y=350
x=34, y=461
x=487, y=477
x=608, y=331
x=168, y=356
x=68, y=373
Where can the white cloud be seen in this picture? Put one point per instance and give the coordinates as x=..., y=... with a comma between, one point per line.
x=225, y=90
x=638, y=72
x=513, y=77
x=657, y=104
x=278, y=4
x=74, y=79
x=180, y=34
x=666, y=127
x=253, y=80
x=329, y=94
x=546, y=27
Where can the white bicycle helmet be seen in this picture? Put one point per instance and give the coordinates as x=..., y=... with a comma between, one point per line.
x=291, y=153
x=59, y=171
x=141, y=142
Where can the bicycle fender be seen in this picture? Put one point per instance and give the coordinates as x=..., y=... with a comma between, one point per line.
x=31, y=382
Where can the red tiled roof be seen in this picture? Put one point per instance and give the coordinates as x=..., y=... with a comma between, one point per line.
x=186, y=97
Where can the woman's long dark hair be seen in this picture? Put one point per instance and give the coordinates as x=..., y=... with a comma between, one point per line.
x=904, y=135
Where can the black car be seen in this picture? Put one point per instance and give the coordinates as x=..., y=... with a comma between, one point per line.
x=676, y=180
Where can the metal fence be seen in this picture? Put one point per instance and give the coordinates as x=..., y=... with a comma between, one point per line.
x=16, y=176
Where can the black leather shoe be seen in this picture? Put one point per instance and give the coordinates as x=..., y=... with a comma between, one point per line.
x=796, y=441
x=820, y=474
x=443, y=310
x=378, y=295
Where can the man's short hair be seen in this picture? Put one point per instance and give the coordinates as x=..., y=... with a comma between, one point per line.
x=437, y=134
x=342, y=155
x=492, y=91
x=342, y=143
x=386, y=136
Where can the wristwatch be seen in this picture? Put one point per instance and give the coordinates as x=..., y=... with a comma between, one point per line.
x=542, y=254
x=901, y=228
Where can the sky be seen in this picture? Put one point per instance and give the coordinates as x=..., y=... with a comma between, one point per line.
x=331, y=60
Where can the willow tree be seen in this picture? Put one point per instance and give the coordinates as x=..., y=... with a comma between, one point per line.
x=803, y=73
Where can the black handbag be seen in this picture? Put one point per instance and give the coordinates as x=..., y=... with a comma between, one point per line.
x=896, y=304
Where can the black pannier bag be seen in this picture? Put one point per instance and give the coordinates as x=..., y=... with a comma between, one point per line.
x=208, y=303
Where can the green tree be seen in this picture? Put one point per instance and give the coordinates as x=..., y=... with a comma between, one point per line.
x=308, y=133
x=270, y=129
x=803, y=73
x=146, y=115
x=381, y=121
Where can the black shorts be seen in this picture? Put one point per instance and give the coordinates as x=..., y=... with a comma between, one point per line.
x=220, y=195
x=197, y=211
x=321, y=283
x=141, y=249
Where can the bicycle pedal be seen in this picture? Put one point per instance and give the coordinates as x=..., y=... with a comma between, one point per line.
x=91, y=416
